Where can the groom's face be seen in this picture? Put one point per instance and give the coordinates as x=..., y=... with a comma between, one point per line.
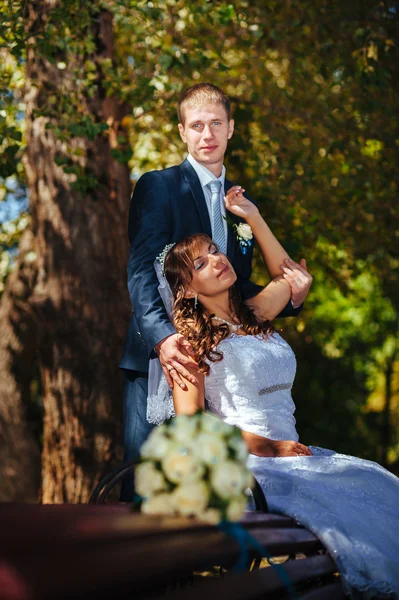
x=206, y=131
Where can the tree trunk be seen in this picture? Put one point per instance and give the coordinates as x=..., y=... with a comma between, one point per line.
x=19, y=451
x=81, y=243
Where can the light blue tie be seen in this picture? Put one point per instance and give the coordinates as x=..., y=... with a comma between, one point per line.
x=218, y=234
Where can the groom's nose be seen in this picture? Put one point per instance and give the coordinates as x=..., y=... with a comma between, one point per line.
x=207, y=132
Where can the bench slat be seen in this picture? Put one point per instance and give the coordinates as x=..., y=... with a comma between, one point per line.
x=62, y=524
x=332, y=591
x=256, y=584
x=253, y=519
x=287, y=540
x=95, y=563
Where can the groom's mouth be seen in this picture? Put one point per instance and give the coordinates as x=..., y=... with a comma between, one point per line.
x=208, y=148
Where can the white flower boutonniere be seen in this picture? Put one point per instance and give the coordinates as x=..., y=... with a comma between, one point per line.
x=243, y=233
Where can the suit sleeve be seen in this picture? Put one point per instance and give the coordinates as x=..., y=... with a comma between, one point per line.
x=149, y=232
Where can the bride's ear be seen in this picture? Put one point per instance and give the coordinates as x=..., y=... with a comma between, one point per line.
x=189, y=293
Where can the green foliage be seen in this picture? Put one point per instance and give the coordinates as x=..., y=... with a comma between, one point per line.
x=315, y=94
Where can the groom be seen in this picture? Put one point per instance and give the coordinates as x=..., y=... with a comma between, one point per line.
x=167, y=206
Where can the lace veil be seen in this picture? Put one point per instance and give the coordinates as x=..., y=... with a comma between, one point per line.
x=159, y=401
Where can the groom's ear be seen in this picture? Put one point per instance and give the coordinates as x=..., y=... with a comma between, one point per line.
x=181, y=131
x=231, y=129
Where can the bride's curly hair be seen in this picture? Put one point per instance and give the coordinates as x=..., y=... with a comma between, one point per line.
x=195, y=324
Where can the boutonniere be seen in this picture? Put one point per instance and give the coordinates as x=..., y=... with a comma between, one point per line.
x=243, y=233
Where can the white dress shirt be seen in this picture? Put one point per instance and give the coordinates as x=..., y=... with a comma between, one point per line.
x=205, y=176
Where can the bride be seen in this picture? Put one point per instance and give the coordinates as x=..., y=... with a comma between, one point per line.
x=246, y=371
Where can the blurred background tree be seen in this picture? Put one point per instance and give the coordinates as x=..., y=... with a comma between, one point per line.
x=88, y=93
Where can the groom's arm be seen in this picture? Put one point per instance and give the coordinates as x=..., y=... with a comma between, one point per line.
x=149, y=232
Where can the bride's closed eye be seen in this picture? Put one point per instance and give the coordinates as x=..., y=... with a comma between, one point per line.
x=212, y=250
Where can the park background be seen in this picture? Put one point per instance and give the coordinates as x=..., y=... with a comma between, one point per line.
x=88, y=91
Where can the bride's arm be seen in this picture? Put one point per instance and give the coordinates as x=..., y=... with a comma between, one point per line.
x=188, y=401
x=262, y=446
x=272, y=251
x=275, y=296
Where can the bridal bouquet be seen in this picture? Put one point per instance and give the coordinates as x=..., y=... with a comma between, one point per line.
x=194, y=466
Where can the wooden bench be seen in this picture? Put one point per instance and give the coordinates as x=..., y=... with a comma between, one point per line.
x=93, y=552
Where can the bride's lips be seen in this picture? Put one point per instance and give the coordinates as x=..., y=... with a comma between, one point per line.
x=224, y=270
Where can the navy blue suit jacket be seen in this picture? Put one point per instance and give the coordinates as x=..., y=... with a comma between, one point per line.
x=167, y=206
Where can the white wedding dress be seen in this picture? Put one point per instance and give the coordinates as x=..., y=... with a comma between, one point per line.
x=351, y=504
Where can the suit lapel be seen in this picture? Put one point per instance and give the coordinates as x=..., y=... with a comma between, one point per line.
x=196, y=189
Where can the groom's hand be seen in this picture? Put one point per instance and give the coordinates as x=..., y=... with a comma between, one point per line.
x=174, y=362
x=299, y=279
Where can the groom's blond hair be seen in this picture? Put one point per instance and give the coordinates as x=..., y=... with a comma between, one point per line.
x=202, y=94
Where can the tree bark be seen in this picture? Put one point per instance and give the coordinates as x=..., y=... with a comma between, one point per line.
x=19, y=451
x=80, y=297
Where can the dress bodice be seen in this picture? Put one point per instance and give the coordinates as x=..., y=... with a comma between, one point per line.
x=251, y=386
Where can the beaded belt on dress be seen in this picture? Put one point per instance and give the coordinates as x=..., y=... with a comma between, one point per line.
x=275, y=388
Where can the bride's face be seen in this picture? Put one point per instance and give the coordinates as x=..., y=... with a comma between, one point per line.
x=212, y=272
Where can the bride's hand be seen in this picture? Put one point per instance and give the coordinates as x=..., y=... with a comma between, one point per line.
x=237, y=204
x=289, y=448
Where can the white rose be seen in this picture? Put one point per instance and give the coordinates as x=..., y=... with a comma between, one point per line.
x=210, y=448
x=236, y=508
x=227, y=479
x=160, y=504
x=244, y=231
x=240, y=448
x=212, y=424
x=180, y=465
x=191, y=498
x=156, y=445
x=183, y=428
x=213, y=516
x=148, y=480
